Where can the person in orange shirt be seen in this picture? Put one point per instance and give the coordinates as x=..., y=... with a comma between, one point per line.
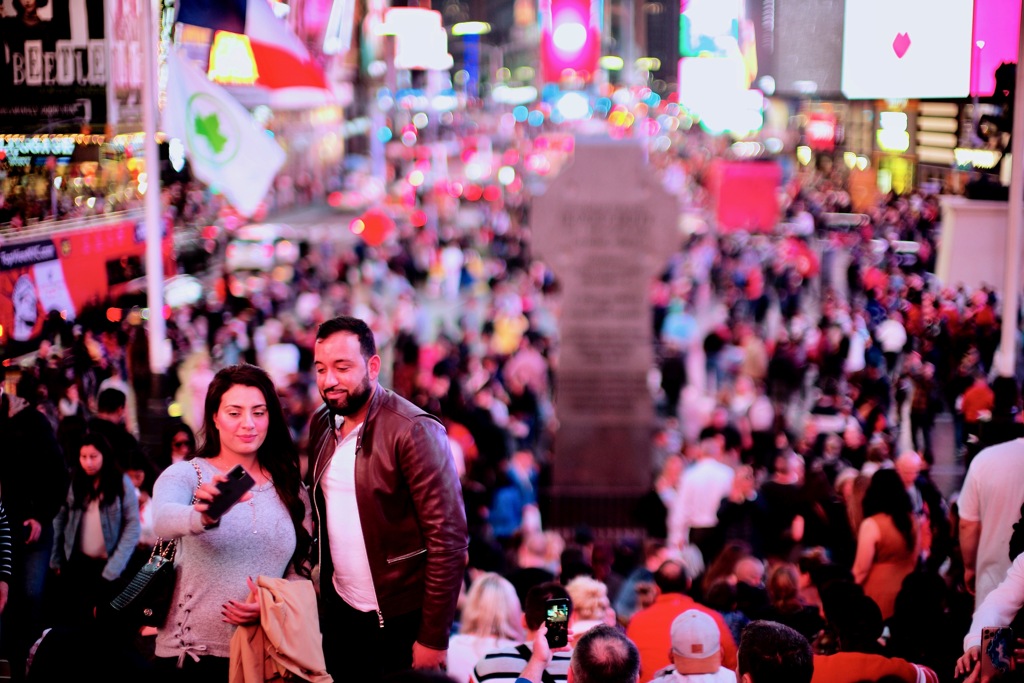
x=650, y=627
x=857, y=623
x=976, y=406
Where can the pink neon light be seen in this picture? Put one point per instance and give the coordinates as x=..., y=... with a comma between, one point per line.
x=997, y=24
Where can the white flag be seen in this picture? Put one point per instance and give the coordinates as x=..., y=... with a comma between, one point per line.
x=226, y=148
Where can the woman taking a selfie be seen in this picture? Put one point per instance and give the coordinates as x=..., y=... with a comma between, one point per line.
x=264, y=533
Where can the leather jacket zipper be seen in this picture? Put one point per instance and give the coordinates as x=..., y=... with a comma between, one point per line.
x=392, y=560
x=321, y=528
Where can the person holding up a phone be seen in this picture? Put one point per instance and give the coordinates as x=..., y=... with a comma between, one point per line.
x=603, y=653
x=251, y=518
x=548, y=610
x=990, y=619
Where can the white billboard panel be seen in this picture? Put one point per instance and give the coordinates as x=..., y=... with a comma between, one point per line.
x=907, y=49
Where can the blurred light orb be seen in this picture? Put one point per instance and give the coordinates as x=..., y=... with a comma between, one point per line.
x=573, y=106
x=569, y=37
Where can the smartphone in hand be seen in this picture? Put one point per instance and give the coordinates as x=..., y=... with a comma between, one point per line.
x=997, y=645
x=557, y=620
x=238, y=482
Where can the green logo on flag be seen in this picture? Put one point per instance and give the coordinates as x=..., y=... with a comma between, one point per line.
x=213, y=133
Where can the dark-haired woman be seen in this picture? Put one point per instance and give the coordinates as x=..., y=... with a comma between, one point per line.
x=95, y=531
x=266, y=533
x=887, y=541
x=179, y=444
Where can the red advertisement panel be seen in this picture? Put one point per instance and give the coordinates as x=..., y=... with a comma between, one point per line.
x=746, y=195
x=67, y=271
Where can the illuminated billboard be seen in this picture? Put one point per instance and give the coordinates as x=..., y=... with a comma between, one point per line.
x=53, y=67
x=907, y=49
x=996, y=27
x=570, y=38
x=717, y=29
x=717, y=65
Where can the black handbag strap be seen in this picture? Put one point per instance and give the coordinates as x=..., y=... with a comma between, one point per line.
x=166, y=549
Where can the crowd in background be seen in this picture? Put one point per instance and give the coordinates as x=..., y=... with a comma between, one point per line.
x=789, y=383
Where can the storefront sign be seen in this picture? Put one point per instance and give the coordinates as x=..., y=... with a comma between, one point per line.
x=977, y=158
x=821, y=132
x=54, y=76
x=20, y=150
x=124, y=26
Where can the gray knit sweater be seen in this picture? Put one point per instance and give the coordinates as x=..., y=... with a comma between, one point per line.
x=254, y=538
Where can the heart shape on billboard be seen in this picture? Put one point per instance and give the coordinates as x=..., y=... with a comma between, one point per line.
x=900, y=44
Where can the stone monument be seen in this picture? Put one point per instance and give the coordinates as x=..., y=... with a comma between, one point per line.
x=606, y=227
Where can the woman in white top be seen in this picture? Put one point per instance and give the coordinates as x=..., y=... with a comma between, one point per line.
x=492, y=618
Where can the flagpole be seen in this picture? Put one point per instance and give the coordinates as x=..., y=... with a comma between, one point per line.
x=155, y=325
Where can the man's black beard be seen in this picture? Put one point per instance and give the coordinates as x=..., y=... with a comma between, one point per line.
x=353, y=402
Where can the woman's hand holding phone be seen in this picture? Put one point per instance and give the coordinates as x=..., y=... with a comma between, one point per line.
x=215, y=498
x=969, y=664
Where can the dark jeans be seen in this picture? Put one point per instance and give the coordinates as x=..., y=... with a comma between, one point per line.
x=356, y=648
x=82, y=588
x=707, y=541
x=921, y=425
x=27, y=612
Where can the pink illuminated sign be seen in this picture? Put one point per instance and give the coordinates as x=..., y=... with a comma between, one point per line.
x=996, y=26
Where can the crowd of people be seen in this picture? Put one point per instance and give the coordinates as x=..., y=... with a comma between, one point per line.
x=792, y=507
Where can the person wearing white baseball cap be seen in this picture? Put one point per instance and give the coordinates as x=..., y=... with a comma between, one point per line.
x=696, y=652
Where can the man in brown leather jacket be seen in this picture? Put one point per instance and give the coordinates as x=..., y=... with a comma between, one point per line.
x=391, y=525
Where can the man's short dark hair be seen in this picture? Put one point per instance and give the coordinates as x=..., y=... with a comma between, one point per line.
x=708, y=432
x=346, y=323
x=855, y=618
x=111, y=400
x=773, y=653
x=671, y=577
x=605, y=655
x=535, y=607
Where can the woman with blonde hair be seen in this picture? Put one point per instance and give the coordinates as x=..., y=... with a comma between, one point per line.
x=590, y=604
x=492, y=618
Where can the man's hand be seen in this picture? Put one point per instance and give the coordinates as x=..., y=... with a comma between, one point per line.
x=541, y=657
x=424, y=657
x=969, y=576
x=969, y=665
x=33, y=532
